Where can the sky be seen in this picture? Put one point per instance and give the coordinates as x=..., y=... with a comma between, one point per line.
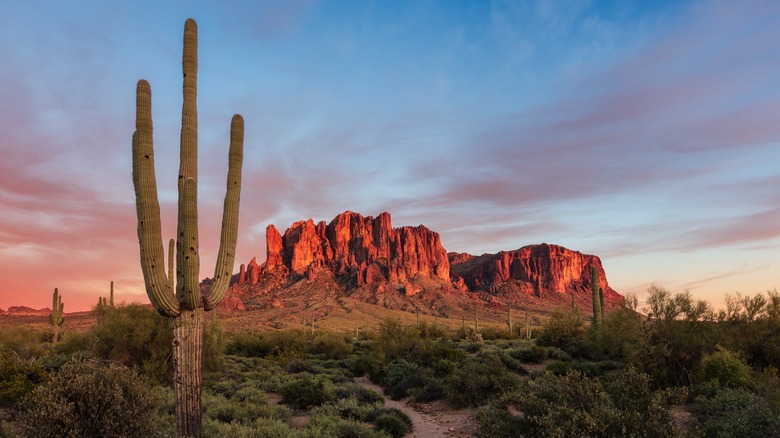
x=644, y=132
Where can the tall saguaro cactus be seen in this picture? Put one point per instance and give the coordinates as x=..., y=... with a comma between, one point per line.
x=597, y=297
x=55, y=318
x=185, y=303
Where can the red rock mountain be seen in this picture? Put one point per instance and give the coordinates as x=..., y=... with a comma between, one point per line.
x=539, y=270
x=367, y=259
x=356, y=249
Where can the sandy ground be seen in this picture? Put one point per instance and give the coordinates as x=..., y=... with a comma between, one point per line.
x=430, y=420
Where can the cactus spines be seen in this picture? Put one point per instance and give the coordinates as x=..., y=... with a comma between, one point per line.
x=597, y=297
x=182, y=301
x=55, y=318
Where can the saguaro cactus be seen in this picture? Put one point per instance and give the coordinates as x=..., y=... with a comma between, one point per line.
x=55, y=318
x=185, y=305
x=594, y=284
x=509, y=317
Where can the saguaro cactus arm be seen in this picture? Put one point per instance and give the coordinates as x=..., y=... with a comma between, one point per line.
x=148, y=208
x=229, y=235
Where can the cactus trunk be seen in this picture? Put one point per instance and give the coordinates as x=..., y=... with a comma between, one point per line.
x=182, y=301
x=509, y=317
x=187, y=364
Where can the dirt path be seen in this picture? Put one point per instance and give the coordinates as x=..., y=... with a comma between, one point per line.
x=430, y=420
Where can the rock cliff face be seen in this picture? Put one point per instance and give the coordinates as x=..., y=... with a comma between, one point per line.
x=365, y=250
x=368, y=260
x=543, y=269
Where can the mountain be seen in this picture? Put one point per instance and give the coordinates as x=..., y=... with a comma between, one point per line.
x=24, y=310
x=356, y=259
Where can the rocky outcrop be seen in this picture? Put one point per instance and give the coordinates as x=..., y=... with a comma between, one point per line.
x=24, y=310
x=232, y=301
x=542, y=268
x=364, y=250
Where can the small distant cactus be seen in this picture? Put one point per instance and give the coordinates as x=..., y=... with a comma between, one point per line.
x=598, y=297
x=103, y=306
x=56, y=318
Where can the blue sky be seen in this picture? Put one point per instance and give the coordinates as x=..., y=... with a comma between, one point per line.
x=647, y=133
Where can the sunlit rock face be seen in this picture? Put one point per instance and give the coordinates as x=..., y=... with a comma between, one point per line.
x=545, y=268
x=366, y=249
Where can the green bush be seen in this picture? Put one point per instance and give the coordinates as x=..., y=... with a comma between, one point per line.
x=566, y=331
x=306, y=392
x=89, y=400
x=330, y=345
x=332, y=426
x=577, y=405
x=531, y=354
x=477, y=381
x=25, y=342
x=136, y=336
x=18, y=377
x=400, y=376
x=735, y=412
x=725, y=367
x=393, y=421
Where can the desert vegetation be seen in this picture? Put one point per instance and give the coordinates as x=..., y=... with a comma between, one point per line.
x=678, y=368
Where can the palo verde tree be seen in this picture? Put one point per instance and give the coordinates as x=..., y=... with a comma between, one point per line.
x=184, y=306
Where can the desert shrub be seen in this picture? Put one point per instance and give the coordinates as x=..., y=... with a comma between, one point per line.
x=400, y=376
x=558, y=354
x=620, y=335
x=393, y=421
x=361, y=394
x=25, y=342
x=443, y=368
x=511, y=363
x=86, y=399
x=336, y=427
x=530, y=354
x=71, y=343
x=350, y=408
x=306, y=392
x=735, y=412
x=260, y=428
x=495, y=421
x=432, y=389
x=330, y=345
x=726, y=367
x=588, y=368
x=577, y=405
x=431, y=330
x=136, y=336
x=302, y=366
x=477, y=381
x=676, y=337
x=282, y=345
x=370, y=364
x=18, y=377
x=566, y=331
